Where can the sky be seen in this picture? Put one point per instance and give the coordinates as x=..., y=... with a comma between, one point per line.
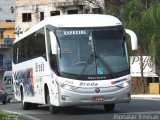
x=5, y=10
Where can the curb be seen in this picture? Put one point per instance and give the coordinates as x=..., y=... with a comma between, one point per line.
x=146, y=97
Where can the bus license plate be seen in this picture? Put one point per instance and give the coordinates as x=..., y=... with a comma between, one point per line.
x=97, y=98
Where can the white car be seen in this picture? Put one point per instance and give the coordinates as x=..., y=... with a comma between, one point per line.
x=8, y=84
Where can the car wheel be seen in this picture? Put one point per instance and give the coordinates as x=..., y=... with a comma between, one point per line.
x=4, y=102
x=8, y=100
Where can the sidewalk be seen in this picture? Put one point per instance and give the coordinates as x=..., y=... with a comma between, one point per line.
x=146, y=96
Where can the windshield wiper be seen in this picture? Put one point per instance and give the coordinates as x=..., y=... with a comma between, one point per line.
x=95, y=58
x=85, y=67
x=106, y=65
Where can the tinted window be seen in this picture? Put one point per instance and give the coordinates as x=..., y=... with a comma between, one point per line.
x=32, y=46
x=36, y=45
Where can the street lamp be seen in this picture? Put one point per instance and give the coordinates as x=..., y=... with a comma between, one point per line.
x=12, y=9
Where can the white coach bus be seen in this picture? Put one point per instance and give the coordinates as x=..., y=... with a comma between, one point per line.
x=73, y=60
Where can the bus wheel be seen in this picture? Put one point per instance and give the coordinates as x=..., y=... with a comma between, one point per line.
x=54, y=109
x=25, y=105
x=33, y=105
x=109, y=107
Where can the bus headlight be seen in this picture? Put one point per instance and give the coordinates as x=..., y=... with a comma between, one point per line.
x=67, y=87
x=124, y=84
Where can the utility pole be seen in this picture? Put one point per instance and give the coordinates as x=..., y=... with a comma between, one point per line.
x=18, y=31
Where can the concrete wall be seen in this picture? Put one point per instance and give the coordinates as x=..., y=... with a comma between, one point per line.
x=7, y=18
x=7, y=54
x=36, y=6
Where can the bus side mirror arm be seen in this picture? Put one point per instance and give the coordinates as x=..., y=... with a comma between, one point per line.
x=134, y=40
x=53, y=42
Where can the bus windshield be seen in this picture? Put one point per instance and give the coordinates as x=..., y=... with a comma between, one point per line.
x=92, y=52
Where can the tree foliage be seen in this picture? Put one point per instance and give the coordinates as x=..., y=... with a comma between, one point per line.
x=143, y=17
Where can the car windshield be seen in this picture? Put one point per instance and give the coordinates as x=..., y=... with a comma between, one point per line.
x=92, y=52
x=8, y=80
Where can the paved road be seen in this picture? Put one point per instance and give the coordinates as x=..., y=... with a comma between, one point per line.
x=136, y=109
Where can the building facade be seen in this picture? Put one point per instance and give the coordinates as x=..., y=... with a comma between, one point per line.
x=7, y=27
x=6, y=39
x=30, y=12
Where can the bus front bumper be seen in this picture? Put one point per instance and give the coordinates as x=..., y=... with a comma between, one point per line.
x=89, y=96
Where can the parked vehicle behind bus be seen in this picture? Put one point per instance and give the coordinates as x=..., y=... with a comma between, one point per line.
x=73, y=60
x=8, y=84
x=3, y=93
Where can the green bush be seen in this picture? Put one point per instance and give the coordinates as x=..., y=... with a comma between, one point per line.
x=7, y=116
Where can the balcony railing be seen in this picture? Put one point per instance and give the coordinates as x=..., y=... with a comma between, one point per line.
x=5, y=65
x=69, y=3
x=6, y=43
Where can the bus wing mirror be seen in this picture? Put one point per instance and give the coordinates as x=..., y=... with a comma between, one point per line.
x=134, y=40
x=53, y=42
